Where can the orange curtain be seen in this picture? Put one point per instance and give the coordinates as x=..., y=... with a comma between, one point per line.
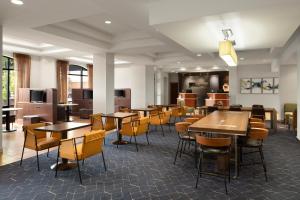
x=90, y=75
x=62, y=80
x=23, y=64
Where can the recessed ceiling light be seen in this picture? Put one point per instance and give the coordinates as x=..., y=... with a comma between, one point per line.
x=198, y=68
x=215, y=67
x=17, y=2
x=199, y=54
x=182, y=69
x=241, y=58
x=107, y=22
x=178, y=62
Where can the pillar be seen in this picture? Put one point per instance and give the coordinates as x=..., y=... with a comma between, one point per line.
x=1, y=53
x=103, y=83
x=233, y=85
x=150, y=85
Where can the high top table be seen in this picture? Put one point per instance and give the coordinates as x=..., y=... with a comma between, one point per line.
x=7, y=111
x=119, y=116
x=225, y=123
x=63, y=128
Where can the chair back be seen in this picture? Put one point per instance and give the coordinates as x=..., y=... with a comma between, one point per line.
x=175, y=111
x=124, y=109
x=213, y=142
x=166, y=116
x=235, y=107
x=258, y=133
x=143, y=125
x=258, y=111
x=191, y=119
x=257, y=125
x=198, y=116
x=92, y=143
x=211, y=109
x=182, y=110
x=182, y=127
x=96, y=121
x=253, y=119
x=38, y=134
x=110, y=124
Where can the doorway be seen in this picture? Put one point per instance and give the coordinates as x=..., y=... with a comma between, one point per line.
x=173, y=93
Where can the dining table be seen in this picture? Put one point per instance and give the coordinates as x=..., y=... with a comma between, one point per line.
x=6, y=112
x=119, y=116
x=63, y=128
x=230, y=123
x=146, y=111
x=67, y=107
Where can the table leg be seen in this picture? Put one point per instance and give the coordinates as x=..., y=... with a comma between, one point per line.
x=235, y=157
x=145, y=113
x=64, y=164
x=120, y=141
x=7, y=122
x=68, y=114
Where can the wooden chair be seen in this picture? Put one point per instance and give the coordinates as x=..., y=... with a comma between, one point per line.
x=236, y=107
x=38, y=140
x=161, y=119
x=97, y=124
x=211, y=109
x=258, y=111
x=136, y=128
x=257, y=125
x=91, y=145
x=176, y=113
x=253, y=119
x=191, y=119
x=254, y=140
x=217, y=146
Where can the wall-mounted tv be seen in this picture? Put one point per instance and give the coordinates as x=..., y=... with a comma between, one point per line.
x=38, y=96
x=87, y=94
x=119, y=93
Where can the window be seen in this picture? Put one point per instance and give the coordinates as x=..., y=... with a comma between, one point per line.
x=8, y=82
x=77, y=78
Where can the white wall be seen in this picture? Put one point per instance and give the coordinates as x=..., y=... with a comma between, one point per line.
x=288, y=85
x=140, y=79
x=257, y=71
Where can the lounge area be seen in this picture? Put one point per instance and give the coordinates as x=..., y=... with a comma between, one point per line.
x=136, y=103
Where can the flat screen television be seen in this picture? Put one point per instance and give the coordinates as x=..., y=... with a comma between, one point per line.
x=119, y=93
x=88, y=94
x=38, y=96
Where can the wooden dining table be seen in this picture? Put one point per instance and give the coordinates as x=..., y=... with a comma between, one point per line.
x=119, y=116
x=63, y=128
x=144, y=110
x=232, y=123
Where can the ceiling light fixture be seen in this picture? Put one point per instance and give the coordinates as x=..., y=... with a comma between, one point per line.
x=17, y=2
x=182, y=69
x=178, y=62
x=52, y=51
x=107, y=22
x=199, y=55
x=198, y=68
x=241, y=58
x=226, y=49
x=80, y=59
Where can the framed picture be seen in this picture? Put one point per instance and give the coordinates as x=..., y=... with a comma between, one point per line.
x=245, y=85
x=276, y=85
x=267, y=85
x=256, y=85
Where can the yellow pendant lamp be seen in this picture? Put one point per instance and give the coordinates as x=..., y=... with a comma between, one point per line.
x=227, y=53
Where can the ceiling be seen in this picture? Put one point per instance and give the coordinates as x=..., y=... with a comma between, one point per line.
x=143, y=32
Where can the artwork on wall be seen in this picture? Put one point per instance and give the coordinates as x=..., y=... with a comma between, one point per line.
x=276, y=85
x=267, y=85
x=256, y=85
x=259, y=85
x=245, y=85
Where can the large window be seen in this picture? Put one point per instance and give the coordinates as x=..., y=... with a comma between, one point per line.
x=77, y=78
x=8, y=82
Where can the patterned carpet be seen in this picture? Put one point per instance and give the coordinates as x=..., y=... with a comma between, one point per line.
x=150, y=174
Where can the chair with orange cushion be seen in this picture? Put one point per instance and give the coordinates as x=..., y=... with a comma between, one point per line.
x=160, y=119
x=214, y=146
x=97, y=123
x=176, y=113
x=257, y=125
x=254, y=140
x=92, y=144
x=191, y=119
x=136, y=128
x=38, y=140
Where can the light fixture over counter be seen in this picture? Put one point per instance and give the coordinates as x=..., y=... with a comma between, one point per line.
x=227, y=53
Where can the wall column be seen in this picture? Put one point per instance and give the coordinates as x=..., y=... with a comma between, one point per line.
x=298, y=92
x=150, y=84
x=233, y=85
x=1, y=54
x=103, y=83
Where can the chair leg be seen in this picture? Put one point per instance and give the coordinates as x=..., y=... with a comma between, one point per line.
x=22, y=155
x=104, y=140
x=263, y=162
x=169, y=127
x=147, y=138
x=37, y=160
x=56, y=168
x=162, y=129
x=82, y=162
x=228, y=166
x=78, y=167
x=130, y=139
x=181, y=148
x=104, y=161
x=177, y=151
x=48, y=153
x=225, y=183
x=135, y=143
x=195, y=155
x=199, y=169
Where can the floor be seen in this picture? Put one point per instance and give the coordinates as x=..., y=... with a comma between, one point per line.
x=150, y=174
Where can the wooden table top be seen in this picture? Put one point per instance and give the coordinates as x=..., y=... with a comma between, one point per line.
x=120, y=115
x=223, y=122
x=66, y=126
x=11, y=109
x=168, y=105
x=243, y=108
x=143, y=109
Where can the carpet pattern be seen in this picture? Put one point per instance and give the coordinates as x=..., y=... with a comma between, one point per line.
x=150, y=174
